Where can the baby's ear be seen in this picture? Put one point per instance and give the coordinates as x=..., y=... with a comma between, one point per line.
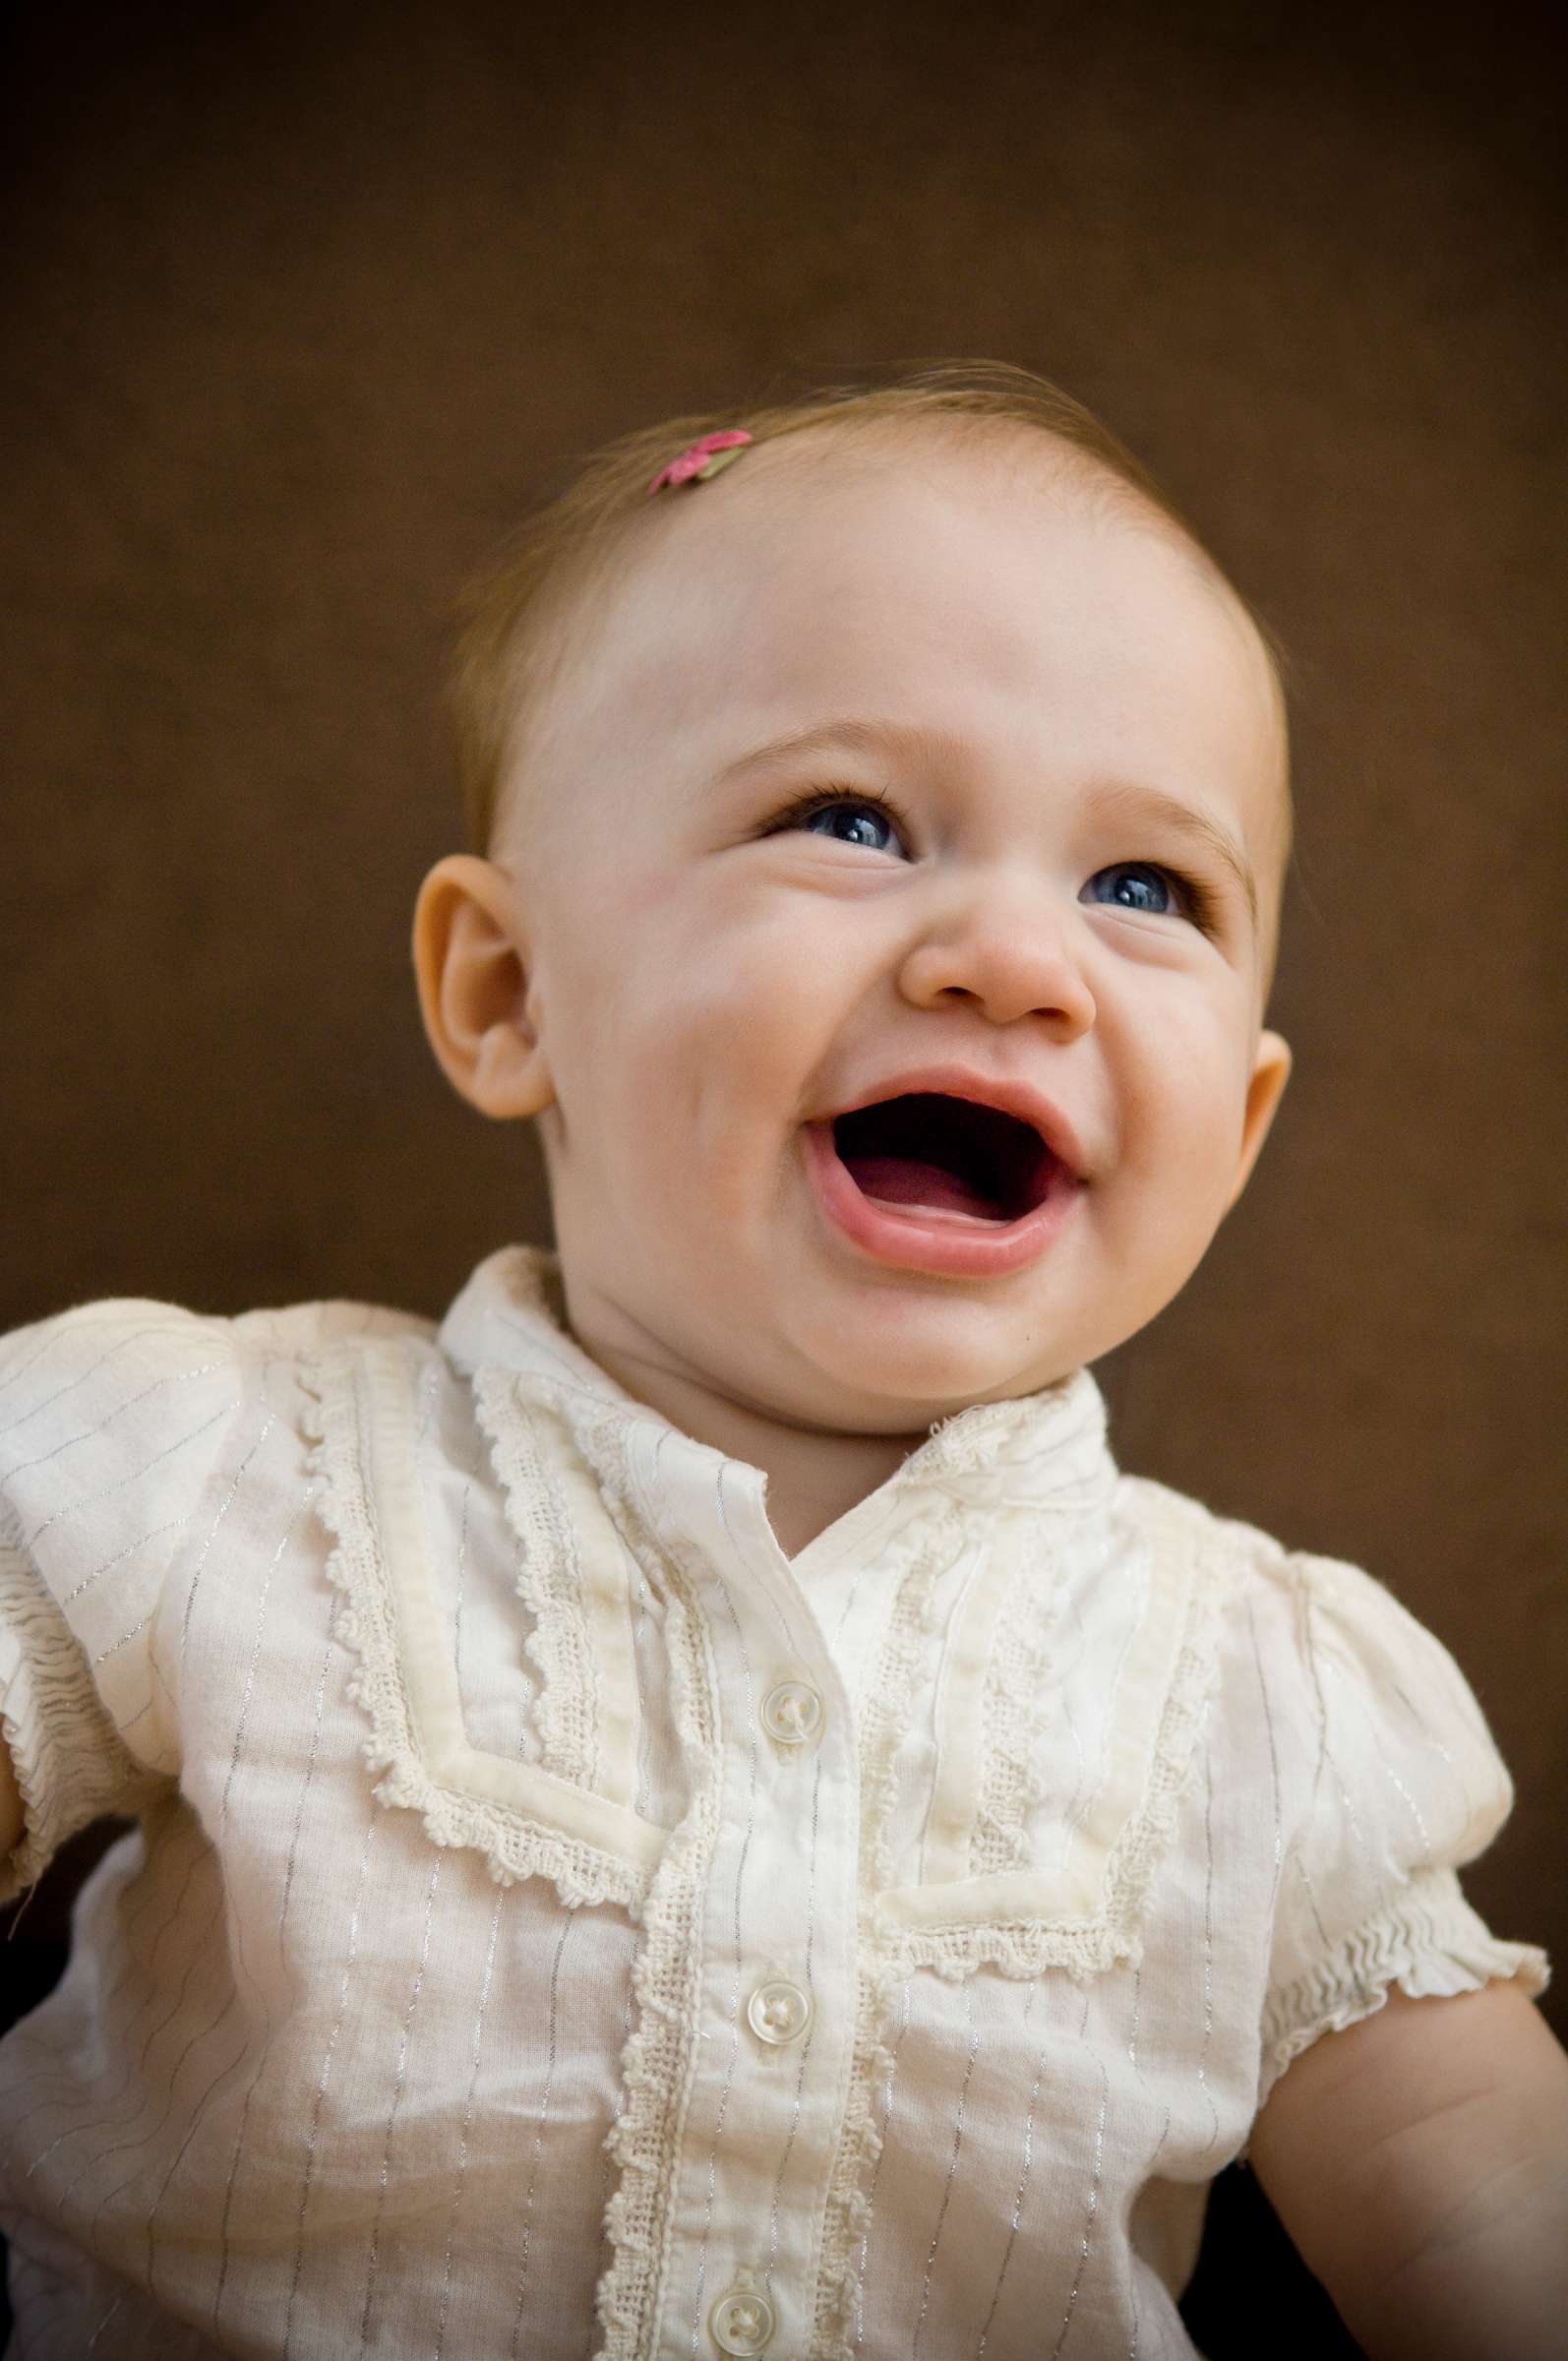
x=1271, y=1071
x=471, y=962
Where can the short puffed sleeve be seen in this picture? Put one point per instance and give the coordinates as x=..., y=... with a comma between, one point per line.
x=112, y=1416
x=1392, y=1783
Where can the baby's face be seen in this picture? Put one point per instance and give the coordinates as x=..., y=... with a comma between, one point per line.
x=1064, y=716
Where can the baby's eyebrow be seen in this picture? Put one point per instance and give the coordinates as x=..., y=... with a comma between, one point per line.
x=851, y=736
x=1116, y=799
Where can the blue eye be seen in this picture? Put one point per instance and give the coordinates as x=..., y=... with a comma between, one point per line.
x=1144, y=887
x=849, y=823
x=863, y=820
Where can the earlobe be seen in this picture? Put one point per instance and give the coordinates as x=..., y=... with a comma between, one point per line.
x=1271, y=1071
x=471, y=965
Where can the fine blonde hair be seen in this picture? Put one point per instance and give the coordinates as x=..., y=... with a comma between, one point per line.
x=510, y=642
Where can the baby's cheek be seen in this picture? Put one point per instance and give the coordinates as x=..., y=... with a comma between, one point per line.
x=767, y=1008
x=1179, y=1131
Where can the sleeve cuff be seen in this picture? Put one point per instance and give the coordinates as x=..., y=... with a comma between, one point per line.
x=1428, y=1940
x=71, y=1764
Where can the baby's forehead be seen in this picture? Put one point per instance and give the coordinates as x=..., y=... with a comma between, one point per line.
x=842, y=500
x=826, y=543
x=798, y=553
x=834, y=476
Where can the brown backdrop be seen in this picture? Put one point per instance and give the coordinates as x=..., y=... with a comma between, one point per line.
x=306, y=303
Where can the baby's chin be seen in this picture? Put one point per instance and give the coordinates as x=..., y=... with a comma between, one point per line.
x=897, y=1370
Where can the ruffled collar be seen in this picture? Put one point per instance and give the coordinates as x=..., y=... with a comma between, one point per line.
x=1040, y=1449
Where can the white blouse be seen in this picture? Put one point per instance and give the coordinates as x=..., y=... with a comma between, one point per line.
x=561, y=1923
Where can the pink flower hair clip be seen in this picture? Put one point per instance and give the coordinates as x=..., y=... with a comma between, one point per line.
x=706, y=457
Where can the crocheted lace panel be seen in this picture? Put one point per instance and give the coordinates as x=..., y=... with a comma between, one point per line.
x=525, y=1817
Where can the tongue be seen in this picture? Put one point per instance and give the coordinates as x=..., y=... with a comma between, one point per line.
x=906, y=1180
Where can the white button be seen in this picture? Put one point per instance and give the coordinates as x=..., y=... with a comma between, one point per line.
x=791, y=1713
x=743, y=2321
x=778, y=2012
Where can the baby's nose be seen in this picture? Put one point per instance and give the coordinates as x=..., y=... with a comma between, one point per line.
x=1007, y=951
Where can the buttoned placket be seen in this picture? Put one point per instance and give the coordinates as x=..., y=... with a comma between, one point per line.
x=763, y=1941
x=778, y=1991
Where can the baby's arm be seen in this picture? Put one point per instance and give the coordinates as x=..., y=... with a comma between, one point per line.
x=1419, y=2162
x=115, y=1417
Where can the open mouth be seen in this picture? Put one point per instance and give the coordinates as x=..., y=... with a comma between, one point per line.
x=945, y=1155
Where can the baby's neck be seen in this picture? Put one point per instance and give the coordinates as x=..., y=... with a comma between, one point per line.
x=815, y=1475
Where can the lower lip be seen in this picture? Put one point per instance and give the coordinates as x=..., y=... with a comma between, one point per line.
x=958, y=1246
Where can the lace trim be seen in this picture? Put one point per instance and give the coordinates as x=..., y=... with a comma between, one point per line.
x=1008, y=1925
x=903, y=1657
x=906, y=1655
x=848, y=2212
x=357, y=1416
x=510, y=1316
x=70, y=1763
x=1428, y=1940
x=1012, y=1781
x=548, y=1581
x=659, y=2061
x=1086, y=1916
x=1062, y=1427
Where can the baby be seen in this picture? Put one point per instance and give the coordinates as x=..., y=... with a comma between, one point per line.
x=692, y=1809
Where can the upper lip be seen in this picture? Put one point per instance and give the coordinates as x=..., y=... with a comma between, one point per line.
x=1014, y=1098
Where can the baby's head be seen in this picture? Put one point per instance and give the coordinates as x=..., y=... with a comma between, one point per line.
x=921, y=757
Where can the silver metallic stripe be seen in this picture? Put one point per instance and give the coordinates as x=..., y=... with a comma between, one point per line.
x=322, y=2081
x=170, y=1525
x=1092, y=2208
x=1023, y=2175
x=196, y=1925
x=197, y=2112
x=1208, y=1944
x=467, y=2121
x=399, y=2077
x=283, y=1923
x=569, y=1922
x=1273, y=1755
x=85, y=1377
x=877, y=2169
x=953, y=2163
x=121, y=1483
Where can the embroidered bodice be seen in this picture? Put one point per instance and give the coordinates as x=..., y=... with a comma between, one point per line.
x=560, y=1922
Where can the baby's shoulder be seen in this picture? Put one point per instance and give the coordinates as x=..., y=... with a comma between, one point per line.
x=1324, y=1641
x=337, y=1322
x=1251, y=1570
x=120, y=1345
x=129, y=1389
x=88, y=1385
x=1238, y=1565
